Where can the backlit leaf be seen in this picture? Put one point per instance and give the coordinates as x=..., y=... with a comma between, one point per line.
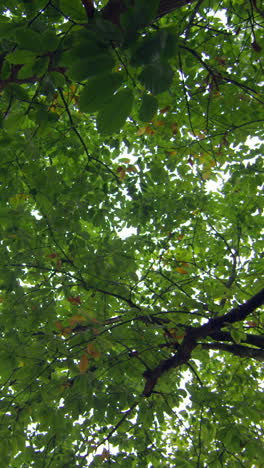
x=91, y=66
x=113, y=115
x=98, y=91
x=148, y=108
x=157, y=77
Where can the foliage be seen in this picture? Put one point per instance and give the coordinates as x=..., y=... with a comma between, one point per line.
x=131, y=251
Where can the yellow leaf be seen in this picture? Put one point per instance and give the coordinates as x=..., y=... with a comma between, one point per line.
x=212, y=163
x=131, y=169
x=73, y=88
x=75, y=319
x=149, y=130
x=145, y=130
x=92, y=351
x=181, y=270
x=19, y=199
x=206, y=175
x=159, y=123
x=141, y=131
x=66, y=331
x=84, y=363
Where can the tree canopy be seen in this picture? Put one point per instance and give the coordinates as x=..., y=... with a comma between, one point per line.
x=131, y=275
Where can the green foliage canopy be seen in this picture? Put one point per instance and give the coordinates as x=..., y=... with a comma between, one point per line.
x=144, y=349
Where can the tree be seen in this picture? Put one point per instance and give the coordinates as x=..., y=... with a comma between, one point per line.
x=131, y=295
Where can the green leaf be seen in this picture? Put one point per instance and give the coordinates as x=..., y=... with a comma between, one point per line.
x=91, y=66
x=17, y=91
x=20, y=57
x=73, y=9
x=5, y=70
x=237, y=334
x=50, y=40
x=26, y=71
x=149, y=50
x=14, y=122
x=130, y=239
x=40, y=66
x=29, y=40
x=148, y=108
x=157, y=77
x=98, y=91
x=113, y=115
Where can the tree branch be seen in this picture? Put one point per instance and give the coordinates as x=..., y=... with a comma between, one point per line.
x=255, y=340
x=238, y=350
x=194, y=334
x=115, y=8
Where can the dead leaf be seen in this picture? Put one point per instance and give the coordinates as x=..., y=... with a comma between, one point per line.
x=66, y=331
x=159, y=123
x=174, y=128
x=84, y=363
x=131, y=169
x=164, y=110
x=181, y=270
x=53, y=255
x=105, y=455
x=58, y=325
x=121, y=172
x=74, y=300
x=92, y=351
x=75, y=319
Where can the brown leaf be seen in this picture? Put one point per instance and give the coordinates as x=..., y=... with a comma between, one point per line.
x=84, y=363
x=58, y=325
x=121, y=172
x=53, y=255
x=75, y=319
x=105, y=455
x=74, y=300
x=92, y=351
x=164, y=110
x=131, y=169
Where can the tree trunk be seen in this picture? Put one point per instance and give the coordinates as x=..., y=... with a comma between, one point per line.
x=114, y=8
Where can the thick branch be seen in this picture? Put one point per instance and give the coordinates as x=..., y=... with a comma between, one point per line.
x=238, y=350
x=168, y=6
x=238, y=314
x=194, y=334
x=115, y=8
x=255, y=340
